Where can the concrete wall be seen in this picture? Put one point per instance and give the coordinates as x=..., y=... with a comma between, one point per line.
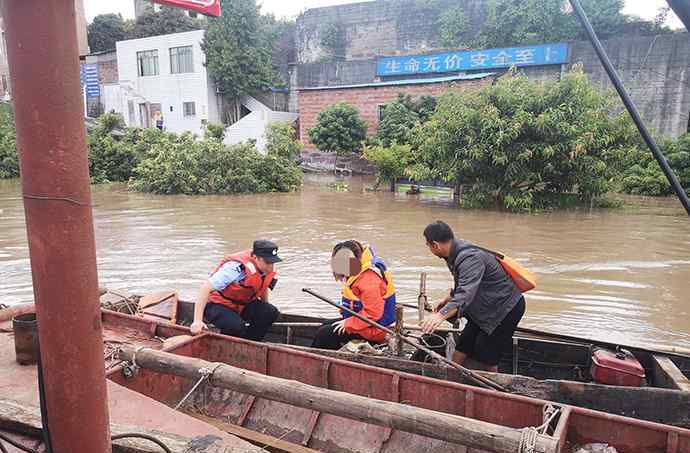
x=367, y=101
x=382, y=27
x=169, y=90
x=656, y=72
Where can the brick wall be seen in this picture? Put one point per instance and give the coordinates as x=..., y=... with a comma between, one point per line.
x=367, y=100
x=107, y=71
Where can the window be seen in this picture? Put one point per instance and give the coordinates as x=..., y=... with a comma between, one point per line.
x=189, y=109
x=148, y=63
x=181, y=60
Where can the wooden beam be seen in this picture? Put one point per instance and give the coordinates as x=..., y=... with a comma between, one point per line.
x=667, y=374
x=450, y=428
x=268, y=443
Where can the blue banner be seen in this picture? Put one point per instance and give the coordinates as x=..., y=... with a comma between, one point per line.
x=88, y=73
x=545, y=54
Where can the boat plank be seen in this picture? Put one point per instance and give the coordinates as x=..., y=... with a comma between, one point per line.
x=667, y=374
x=267, y=443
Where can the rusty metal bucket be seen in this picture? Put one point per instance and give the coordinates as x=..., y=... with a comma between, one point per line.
x=25, y=330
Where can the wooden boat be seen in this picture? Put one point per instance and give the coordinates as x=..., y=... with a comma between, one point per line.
x=540, y=365
x=437, y=415
x=483, y=420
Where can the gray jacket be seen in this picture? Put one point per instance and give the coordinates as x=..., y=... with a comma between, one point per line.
x=483, y=291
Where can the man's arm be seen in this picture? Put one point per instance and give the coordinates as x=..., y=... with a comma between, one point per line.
x=229, y=273
x=468, y=276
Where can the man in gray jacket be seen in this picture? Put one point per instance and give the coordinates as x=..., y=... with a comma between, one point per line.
x=483, y=293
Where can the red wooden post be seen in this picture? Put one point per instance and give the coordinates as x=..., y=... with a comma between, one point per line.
x=44, y=67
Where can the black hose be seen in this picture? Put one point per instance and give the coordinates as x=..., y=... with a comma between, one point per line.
x=142, y=436
x=44, y=408
x=15, y=444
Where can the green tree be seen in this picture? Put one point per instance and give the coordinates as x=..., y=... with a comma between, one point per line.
x=238, y=47
x=397, y=122
x=104, y=31
x=392, y=162
x=643, y=176
x=453, y=27
x=339, y=129
x=524, y=145
x=9, y=162
x=164, y=22
x=281, y=141
x=539, y=21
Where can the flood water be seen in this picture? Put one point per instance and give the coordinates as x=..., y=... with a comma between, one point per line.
x=619, y=275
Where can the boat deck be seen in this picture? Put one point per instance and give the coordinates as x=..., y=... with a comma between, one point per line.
x=127, y=408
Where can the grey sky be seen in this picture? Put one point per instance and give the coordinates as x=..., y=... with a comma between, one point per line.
x=282, y=8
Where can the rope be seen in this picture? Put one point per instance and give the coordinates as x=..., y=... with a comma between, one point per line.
x=15, y=444
x=206, y=373
x=528, y=436
x=528, y=440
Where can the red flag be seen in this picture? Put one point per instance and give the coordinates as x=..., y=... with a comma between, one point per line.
x=208, y=7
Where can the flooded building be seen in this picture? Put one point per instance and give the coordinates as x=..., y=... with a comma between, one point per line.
x=165, y=77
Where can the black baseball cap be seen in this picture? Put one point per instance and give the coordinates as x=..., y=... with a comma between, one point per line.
x=267, y=250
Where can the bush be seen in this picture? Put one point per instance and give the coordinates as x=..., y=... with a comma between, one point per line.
x=391, y=162
x=9, y=161
x=520, y=145
x=183, y=165
x=339, y=129
x=281, y=141
x=111, y=158
x=644, y=175
x=215, y=131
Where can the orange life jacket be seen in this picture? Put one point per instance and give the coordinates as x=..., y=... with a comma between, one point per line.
x=252, y=287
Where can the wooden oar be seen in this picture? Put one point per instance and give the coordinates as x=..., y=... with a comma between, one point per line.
x=477, y=379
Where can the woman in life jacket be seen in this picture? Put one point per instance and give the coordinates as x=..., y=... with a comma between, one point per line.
x=367, y=289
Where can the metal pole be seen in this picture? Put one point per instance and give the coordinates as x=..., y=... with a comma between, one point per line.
x=682, y=10
x=44, y=67
x=630, y=105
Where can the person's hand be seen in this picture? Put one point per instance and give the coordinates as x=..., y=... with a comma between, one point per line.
x=432, y=323
x=441, y=304
x=197, y=327
x=339, y=327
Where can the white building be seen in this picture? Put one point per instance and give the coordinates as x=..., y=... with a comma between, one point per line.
x=165, y=75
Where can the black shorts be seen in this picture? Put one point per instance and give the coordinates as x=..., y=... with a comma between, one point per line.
x=486, y=348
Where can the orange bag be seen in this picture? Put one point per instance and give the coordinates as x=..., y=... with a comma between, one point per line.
x=523, y=278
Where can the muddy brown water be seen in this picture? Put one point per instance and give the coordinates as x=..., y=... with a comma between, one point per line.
x=619, y=275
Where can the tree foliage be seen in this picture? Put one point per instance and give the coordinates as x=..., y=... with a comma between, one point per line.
x=215, y=131
x=164, y=22
x=9, y=161
x=111, y=158
x=339, y=129
x=281, y=141
x=238, y=47
x=511, y=23
x=453, y=28
x=520, y=144
x=401, y=116
x=392, y=161
x=643, y=175
x=105, y=30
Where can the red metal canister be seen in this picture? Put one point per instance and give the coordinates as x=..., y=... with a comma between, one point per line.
x=616, y=368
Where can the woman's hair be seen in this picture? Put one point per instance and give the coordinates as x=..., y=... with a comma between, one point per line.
x=355, y=247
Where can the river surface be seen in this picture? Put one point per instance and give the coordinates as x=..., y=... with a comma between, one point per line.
x=621, y=275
